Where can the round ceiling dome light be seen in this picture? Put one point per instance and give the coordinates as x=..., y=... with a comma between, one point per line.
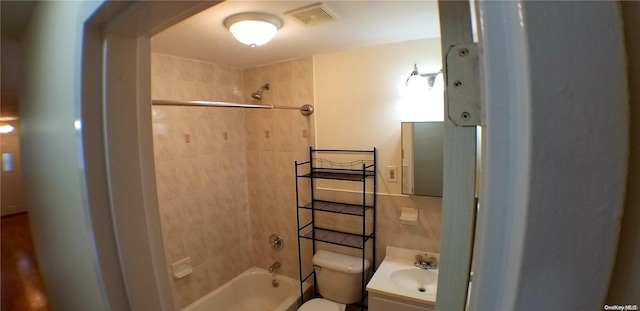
x=253, y=29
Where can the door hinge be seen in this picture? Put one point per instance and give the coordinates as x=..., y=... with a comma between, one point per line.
x=463, y=84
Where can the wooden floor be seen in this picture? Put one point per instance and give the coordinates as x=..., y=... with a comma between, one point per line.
x=22, y=288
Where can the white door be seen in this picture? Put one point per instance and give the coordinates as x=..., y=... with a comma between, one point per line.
x=458, y=199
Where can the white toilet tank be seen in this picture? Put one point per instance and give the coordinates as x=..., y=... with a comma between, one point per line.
x=339, y=276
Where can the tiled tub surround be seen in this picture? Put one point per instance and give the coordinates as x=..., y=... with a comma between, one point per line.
x=274, y=140
x=203, y=200
x=224, y=174
x=186, y=79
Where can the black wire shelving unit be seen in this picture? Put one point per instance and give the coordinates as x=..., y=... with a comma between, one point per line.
x=361, y=171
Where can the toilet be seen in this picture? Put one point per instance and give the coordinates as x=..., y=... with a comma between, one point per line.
x=339, y=280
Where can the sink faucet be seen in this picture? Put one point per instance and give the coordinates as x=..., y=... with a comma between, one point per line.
x=274, y=266
x=426, y=262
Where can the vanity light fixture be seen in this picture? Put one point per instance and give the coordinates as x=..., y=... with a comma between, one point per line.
x=253, y=29
x=431, y=77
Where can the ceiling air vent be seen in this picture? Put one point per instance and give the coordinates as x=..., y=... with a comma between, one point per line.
x=311, y=15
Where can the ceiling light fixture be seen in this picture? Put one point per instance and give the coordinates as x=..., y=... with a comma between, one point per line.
x=253, y=29
x=6, y=128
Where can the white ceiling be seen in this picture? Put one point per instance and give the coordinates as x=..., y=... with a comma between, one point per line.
x=360, y=24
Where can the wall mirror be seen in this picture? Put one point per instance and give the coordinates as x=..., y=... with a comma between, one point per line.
x=422, y=149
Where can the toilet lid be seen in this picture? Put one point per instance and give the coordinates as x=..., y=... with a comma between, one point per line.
x=319, y=304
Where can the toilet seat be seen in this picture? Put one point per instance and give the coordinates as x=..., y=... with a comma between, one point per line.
x=320, y=304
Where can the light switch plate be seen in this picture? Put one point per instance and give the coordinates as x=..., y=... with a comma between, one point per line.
x=392, y=174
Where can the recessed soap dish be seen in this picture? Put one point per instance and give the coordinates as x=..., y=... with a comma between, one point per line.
x=182, y=268
x=409, y=216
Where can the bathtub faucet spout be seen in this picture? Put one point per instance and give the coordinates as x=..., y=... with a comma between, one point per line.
x=274, y=266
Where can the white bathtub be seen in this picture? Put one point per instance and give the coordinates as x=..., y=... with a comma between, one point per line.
x=252, y=291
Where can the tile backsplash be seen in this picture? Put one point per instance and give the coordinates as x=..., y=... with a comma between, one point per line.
x=389, y=230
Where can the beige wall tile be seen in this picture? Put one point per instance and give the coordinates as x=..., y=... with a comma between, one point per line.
x=275, y=140
x=302, y=68
x=188, y=177
x=208, y=174
x=208, y=73
x=162, y=66
x=167, y=186
x=172, y=219
x=163, y=133
x=201, y=279
x=302, y=91
x=201, y=176
x=193, y=206
x=282, y=71
x=254, y=173
x=216, y=265
x=185, y=293
x=175, y=250
x=186, y=138
x=185, y=69
x=164, y=89
x=250, y=79
x=195, y=243
x=280, y=92
x=216, y=243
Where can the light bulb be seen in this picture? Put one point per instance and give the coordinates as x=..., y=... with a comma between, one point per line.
x=6, y=128
x=253, y=29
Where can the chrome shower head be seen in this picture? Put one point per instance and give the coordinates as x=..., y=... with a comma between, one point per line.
x=258, y=94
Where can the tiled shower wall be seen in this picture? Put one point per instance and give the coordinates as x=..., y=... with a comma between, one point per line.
x=275, y=139
x=225, y=175
x=201, y=174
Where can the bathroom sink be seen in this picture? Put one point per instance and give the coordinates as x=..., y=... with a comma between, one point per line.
x=397, y=277
x=414, y=279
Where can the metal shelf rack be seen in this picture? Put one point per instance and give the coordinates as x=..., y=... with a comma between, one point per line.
x=362, y=171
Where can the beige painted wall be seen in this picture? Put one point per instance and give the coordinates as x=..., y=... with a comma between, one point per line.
x=361, y=99
x=63, y=235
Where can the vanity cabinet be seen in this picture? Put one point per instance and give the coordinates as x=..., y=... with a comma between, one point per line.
x=327, y=164
x=380, y=302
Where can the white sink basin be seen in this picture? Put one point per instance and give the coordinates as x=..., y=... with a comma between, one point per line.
x=398, y=277
x=415, y=279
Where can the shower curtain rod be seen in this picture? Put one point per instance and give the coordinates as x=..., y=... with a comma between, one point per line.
x=304, y=109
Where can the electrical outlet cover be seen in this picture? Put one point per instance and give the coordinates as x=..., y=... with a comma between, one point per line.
x=392, y=174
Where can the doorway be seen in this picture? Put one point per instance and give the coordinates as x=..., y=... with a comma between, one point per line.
x=515, y=10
